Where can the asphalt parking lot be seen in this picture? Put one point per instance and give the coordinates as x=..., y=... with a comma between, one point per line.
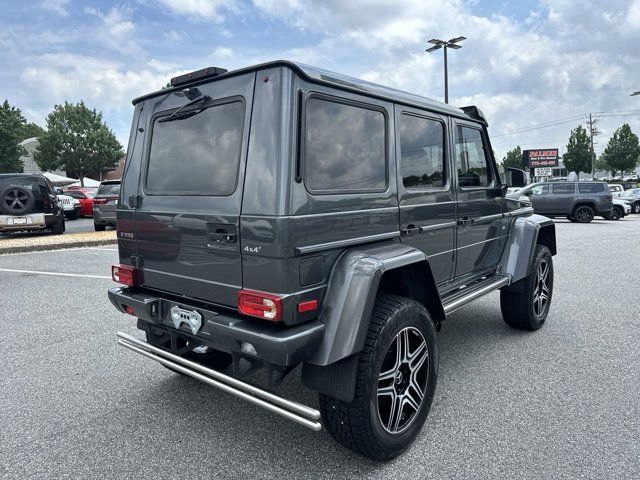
x=563, y=402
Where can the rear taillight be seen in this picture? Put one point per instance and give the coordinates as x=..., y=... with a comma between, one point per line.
x=260, y=305
x=100, y=201
x=127, y=275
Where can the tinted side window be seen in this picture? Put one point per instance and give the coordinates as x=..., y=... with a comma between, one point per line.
x=421, y=152
x=344, y=148
x=563, y=188
x=472, y=163
x=540, y=190
x=590, y=187
x=199, y=154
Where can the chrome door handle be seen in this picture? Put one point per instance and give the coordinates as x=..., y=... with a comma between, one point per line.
x=409, y=230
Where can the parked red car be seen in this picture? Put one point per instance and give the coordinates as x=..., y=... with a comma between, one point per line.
x=85, y=195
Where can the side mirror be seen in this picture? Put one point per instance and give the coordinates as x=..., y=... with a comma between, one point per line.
x=515, y=177
x=499, y=190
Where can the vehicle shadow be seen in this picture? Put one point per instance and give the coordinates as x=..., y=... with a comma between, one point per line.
x=229, y=428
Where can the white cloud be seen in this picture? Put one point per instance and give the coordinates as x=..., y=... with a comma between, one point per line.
x=57, y=6
x=223, y=53
x=116, y=30
x=560, y=61
x=201, y=9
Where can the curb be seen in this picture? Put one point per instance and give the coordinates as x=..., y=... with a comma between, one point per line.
x=57, y=246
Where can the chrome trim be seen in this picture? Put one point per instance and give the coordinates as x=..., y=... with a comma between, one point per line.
x=488, y=218
x=519, y=211
x=306, y=416
x=476, y=293
x=437, y=226
x=345, y=243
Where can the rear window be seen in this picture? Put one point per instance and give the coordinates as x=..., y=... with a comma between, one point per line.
x=563, y=188
x=109, y=189
x=590, y=187
x=345, y=148
x=197, y=155
x=32, y=184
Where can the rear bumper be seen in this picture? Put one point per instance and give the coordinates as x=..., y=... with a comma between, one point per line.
x=34, y=221
x=283, y=346
x=104, y=216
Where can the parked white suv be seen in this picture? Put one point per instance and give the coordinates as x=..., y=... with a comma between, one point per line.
x=70, y=206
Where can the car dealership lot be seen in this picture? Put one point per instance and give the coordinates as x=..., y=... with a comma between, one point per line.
x=560, y=402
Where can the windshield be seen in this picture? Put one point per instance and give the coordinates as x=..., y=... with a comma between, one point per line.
x=634, y=192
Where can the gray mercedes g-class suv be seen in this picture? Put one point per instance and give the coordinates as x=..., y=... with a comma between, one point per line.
x=281, y=215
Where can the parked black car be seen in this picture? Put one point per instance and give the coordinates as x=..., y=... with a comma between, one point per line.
x=632, y=196
x=28, y=202
x=578, y=201
x=281, y=216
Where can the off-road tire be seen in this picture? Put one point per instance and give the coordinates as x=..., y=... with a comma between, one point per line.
x=583, y=214
x=99, y=228
x=214, y=359
x=27, y=201
x=517, y=300
x=357, y=424
x=58, y=228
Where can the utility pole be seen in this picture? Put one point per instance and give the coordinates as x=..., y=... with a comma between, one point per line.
x=438, y=44
x=593, y=131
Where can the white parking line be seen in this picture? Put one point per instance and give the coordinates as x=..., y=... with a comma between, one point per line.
x=54, y=274
x=59, y=250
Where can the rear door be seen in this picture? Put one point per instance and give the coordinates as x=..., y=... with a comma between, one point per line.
x=427, y=199
x=479, y=217
x=190, y=191
x=561, y=198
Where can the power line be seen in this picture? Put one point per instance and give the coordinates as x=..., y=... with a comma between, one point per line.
x=554, y=123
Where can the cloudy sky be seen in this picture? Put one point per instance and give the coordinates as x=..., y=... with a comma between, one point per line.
x=535, y=68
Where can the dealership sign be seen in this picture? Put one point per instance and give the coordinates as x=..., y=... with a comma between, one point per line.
x=540, y=158
x=543, y=172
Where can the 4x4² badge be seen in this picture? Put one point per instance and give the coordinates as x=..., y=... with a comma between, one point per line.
x=192, y=318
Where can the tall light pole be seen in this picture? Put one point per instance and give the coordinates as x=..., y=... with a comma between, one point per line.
x=437, y=45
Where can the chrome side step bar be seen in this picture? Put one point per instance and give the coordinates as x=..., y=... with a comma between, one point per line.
x=297, y=412
x=469, y=294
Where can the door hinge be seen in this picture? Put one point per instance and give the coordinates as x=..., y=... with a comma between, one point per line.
x=136, y=260
x=135, y=201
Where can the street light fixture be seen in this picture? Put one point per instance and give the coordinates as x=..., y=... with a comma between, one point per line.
x=437, y=45
x=635, y=93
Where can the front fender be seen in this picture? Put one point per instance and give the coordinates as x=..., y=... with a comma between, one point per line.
x=525, y=233
x=351, y=294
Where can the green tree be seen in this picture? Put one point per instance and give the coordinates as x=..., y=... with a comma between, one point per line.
x=603, y=166
x=31, y=130
x=623, y=150
x=513, y=159
x=578, y=156
x=77, y=141
x=11, y=124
